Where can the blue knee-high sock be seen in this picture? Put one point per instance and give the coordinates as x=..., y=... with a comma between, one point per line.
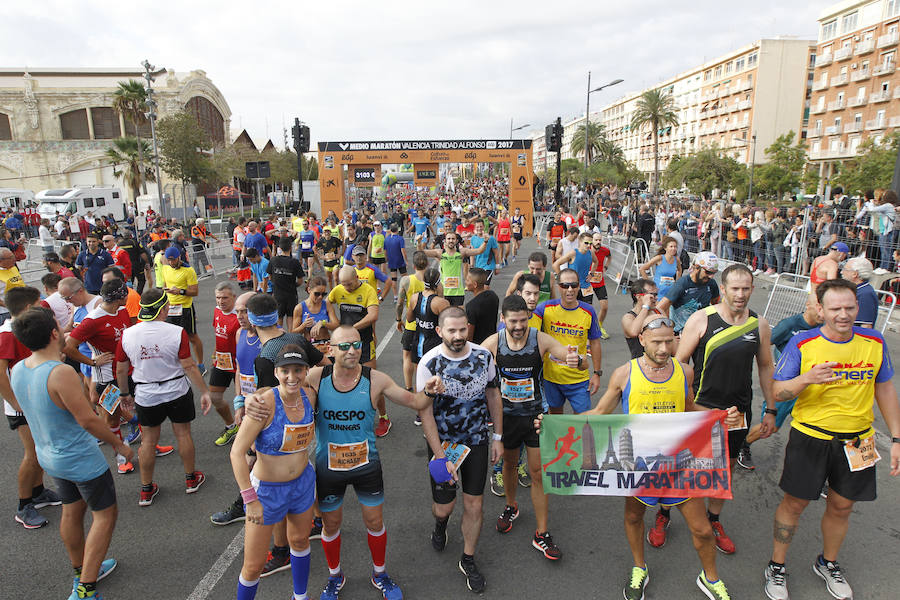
x=246, y=589
x=300, y=572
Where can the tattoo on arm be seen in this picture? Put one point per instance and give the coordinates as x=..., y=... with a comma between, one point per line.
x=785, y=395
x=784, y=533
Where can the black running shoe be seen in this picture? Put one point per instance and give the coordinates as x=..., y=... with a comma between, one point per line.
x=474, y=579
x=744, y=458
x=439, y=535
x=316, y=532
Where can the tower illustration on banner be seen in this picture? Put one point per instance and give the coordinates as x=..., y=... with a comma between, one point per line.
x=588, y=448
x=626, y=449
x=718, y=446
x=611, y=461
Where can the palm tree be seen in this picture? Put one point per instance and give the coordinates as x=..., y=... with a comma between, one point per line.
x=657, y=109
x=596, y=133
x=131, y=102
x=610, y=152
x=129, y=153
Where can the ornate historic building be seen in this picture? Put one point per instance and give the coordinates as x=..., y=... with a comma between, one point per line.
x=57, y=124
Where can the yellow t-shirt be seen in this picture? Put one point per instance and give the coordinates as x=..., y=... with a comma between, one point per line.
x=353, y=306
x=642, y=396
x=297, y=225
x=10, y=278
x=181, y=277
x=415, y=286
x=570, y=327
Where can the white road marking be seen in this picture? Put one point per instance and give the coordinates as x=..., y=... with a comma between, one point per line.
x=212, y=577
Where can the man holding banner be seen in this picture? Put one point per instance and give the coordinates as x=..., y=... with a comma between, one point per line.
x=680, y=472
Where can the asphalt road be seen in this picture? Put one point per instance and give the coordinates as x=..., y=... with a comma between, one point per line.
x=170, y=550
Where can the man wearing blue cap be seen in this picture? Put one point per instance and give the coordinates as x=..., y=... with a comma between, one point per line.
x=827, y=266
x=180, y=284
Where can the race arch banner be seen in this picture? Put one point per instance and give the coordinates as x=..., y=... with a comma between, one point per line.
x=673, y=455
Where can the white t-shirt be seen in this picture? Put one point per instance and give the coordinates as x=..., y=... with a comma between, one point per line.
x=44, y=235
x=567, y=247
x=62, y=310
x=155, y=350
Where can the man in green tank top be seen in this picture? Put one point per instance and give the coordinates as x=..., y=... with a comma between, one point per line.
x=451, y=265
x=537, y=265
x=376, y=247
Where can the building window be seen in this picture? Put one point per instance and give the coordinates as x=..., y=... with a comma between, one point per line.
x=144, y=129
x=209, y=117
x=727, y=68
x=893, y=8
x=5, y=129
x=718, y=71
x=829, y=29
x=75, y=125
x=848, y=22
x=739, y=65
x=706, y=75
x=106, y=123
x=751, y=60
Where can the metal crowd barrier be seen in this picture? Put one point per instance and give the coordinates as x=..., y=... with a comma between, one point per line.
x=787, y=297
x=887, y=301
x=621, y=263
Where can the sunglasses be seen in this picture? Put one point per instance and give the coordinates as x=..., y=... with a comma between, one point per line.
x=72, y=295
x=657, y=323
x=708, y=272
x=344, y=346
x=569, y=286
x=317, y=294
x=648, y=294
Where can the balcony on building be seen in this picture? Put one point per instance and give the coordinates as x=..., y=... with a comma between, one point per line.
x=881, y=96
x=836, y=105
x=897, y=92
x=860, y=75
x=814, y=132
x=894, y=122
x=841, y=151
x=839, y=80
x=823, y=59
x=746, y=85
x=745, y=104
x=884, y=69
x=865, y=46
x=832, y=130
x=820, y=84
x=875, y=124
x=853, y=127
x=817, y=110
x=889, y=39
x=843, y=53
x=857, y=101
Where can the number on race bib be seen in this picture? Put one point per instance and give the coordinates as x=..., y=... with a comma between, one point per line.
x=346, y=457
x=296, y=437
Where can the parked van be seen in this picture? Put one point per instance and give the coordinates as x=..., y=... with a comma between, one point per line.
x=15, y=199
x=99, y=200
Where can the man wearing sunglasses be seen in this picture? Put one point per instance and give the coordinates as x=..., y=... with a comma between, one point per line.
x=92, y=261
x=723, y=341
x=693, y=291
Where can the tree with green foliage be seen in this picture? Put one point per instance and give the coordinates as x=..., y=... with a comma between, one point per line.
x=656, y=109
x=701, y=173
x=181, y=143
x=873, y=166
x=130, y=101
x=596, y=133
x=610, y=152
x=127, y=156
x=784, y=170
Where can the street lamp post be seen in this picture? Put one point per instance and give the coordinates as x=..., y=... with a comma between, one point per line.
x=752, y=163
x=587, y=121
x=519, y=128
x=151, y=115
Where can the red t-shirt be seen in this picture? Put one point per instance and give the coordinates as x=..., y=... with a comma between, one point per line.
x=469, y=229
x=602, y=256
x=503, y=230
x=102, y=331
x=226, y=326
x=11, y=349
x=123, y=261
x=65, y=272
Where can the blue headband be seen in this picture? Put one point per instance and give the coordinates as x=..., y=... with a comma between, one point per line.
x=263, y=320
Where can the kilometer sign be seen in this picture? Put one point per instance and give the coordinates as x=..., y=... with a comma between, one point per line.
x=364, y=175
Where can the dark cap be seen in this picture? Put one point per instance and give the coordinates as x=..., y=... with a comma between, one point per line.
x=293, y=357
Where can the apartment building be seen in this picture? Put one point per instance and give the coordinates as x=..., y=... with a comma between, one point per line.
x=856, y=87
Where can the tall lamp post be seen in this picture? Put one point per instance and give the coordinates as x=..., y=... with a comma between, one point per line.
x=752, y=163
x=151, y=115
x=587, y=121
x=519, y=128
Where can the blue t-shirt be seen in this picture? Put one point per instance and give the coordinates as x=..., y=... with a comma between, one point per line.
x=421, y=224
x=787, y=328
x=392, y=246
x=485, y=260
x=260, y=269
x=93, y=265
x=307, y=240
x=867, y=300
x=256, y=240
x=687, y=297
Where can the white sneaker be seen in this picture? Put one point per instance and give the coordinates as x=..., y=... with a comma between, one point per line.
x=834, y=579
x=776, y=586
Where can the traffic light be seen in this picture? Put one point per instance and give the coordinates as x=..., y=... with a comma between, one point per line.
x=553, y=136
x=301, y=136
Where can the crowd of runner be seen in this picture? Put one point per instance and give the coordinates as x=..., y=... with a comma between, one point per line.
x=109, y=350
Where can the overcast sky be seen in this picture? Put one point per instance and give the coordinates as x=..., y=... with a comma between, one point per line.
x=399, y=70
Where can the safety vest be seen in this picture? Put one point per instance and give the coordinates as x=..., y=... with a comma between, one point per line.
x=236, y=244
x=198, y=232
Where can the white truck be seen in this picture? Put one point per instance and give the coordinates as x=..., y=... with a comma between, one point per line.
x=16, y=199
x=99, y=200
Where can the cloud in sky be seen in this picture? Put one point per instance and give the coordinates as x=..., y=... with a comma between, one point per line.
x=400, y=70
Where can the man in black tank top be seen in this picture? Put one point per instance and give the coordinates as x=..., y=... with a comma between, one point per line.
x=519, y=353
x=723, y=340
x=643, y=294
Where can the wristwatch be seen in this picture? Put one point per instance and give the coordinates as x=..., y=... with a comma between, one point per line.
x=645, y=306
x=182, y=292
x=895, y=440
x=497, y=437
x=770, y=411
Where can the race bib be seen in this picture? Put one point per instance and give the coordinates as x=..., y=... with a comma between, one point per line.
x=346, y=457
x=455, y=453
x=516, y=229
x=863, y=456
x=742, y=425
x=175, y=310
x=296, y=437
x=110, y=398
x=663, y=280
x=330, y=256
x=517, y=390
x=451, y=282
x=248, y=384
x=503, y=231
x=596, y=277
x=224, y=362
x=305, y=245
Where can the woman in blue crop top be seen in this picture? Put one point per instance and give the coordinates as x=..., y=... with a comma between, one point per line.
x=282, y=483
x=311, y=315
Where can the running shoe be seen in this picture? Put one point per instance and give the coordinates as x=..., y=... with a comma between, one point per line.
x=81, y=592
x=30, y=518
x=124, y=466
x=202, y=368
x=474, y=578
x=193, y=483
x=505, y=521
x=603, y=334
x=383, y=426
x=276, y=562
x=335, y=584
x=835, y=583
x=164, y=450
x=524, y=476
x=232, y=514
x=316, y=532
x=418, y=421
x=389, y=589
x=657, y=534
x=543, y=543
x=744, y=458
x=723, y=542
x=46, y=498
x=497, y=488
x=227, y=435
x=776, y=584
x=106, y=567
x=713, y=591
x=134, y=436
x=637, y=583
x=439, y=535
x=148, y=496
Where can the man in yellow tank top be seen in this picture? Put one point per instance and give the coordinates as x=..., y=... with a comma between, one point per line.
x=409, y=286
x=656, y=383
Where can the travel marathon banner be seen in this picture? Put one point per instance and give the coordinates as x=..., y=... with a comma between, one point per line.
x=673, y=455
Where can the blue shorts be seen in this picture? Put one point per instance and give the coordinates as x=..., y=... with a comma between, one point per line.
x=280, y=498
x=784, y=411
x=652, y=501
x=556, y=394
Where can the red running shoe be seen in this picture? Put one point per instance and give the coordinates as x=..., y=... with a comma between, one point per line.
x=723, y=542
x=193, y=483
x=657, y=534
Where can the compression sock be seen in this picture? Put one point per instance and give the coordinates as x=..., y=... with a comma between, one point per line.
x=712, y=518
x=331, y=544
x=87, y=589
x=246, y=589
x=23, y=502
x=300, y=572
x=37, y=490
x=378, y=547
x=77, y=571
x=666, y=512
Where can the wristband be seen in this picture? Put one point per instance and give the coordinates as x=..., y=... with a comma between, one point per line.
x=497, y=437
x=770, y=411
x=895, y=440
x=249, y=495
x=437, y=467
x=238, y=402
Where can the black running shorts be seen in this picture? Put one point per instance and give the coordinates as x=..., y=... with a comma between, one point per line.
x=99, y=493
x=809, y=462
x=472, y=474
x=179, y=410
